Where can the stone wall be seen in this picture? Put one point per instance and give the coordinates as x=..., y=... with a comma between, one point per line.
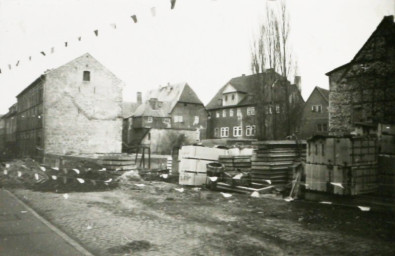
x=364, y=90
x=82, y=116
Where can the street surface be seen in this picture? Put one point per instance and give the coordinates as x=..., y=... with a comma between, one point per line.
x=156, y=219
x=23, y=234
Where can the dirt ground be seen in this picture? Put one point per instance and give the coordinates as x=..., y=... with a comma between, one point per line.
x=156, y=219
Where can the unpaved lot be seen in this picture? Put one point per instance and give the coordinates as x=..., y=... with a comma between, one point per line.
x=158, y=220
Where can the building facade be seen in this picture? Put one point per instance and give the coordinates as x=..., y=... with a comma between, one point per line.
x=362, y=92
x=74, y=109
x=315, y=114
x=170, y=116
x=260, y=106
x=10, y=131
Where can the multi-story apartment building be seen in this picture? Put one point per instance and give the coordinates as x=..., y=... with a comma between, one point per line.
x=264, y=106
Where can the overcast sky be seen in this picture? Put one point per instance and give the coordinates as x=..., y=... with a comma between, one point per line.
x=202, y=42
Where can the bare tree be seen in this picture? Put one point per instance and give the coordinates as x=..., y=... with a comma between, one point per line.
x=272, y=49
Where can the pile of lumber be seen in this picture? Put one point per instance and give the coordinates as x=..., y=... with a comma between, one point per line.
x=241, y=162
x=273, y=160
x=117, y=162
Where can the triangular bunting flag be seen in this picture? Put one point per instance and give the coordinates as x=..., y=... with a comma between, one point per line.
x=134, y=17
x=113, y=25
x=79, y=38
x=65, y=44
x=52, y=49
x=9, y=66
x=30, y=58
x=96, y=32
x=173, y=3
x=17, y=63
x=43, y=53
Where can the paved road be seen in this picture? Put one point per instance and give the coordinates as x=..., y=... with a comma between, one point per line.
x=22, y=232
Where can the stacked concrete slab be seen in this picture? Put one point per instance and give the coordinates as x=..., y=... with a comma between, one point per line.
x=272, y=160
x=193, y=163
x=342, y=165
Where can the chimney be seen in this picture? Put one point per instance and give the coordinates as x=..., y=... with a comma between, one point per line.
x=139, y=98
x=298, y=82
x=153, y=103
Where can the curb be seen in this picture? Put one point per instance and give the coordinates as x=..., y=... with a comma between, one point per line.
x=63, y=235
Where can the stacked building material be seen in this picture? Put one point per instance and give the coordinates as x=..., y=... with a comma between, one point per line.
x=241, y=162
x=193, y=163
x=119, y=162
x=273, y=160
x=341, y=165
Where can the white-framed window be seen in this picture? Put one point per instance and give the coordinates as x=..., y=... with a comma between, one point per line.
x=224, y=113
x=224, y=131
x=278, y=109
x=196, y=120
x=230, y=112
x=316, y=108
x=237, y=131
x=250, y=111
x=268, y=110
x=216, y=132
x=178, y=119
x=250, y=130
x=217, y=114
x=149, y=119
x=239, y=112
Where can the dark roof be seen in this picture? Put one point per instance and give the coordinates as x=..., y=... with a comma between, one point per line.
x=338, y=68
x=386, y=21
x=323, y=92
x=40, y=78
x=243, y=84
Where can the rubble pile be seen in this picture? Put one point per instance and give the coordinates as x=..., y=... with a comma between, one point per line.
x=73, y=176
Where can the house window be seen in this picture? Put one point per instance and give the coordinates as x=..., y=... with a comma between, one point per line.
x=216, y=132
x=224, y=113
x=278, y=108
x=268, y=110
x=149, y=119
x=237, y=131
x=87, y=76
x=217, y=114
x=226, y=97
x=250, y=130
x=224, y=131
x=316, y=108
x=230, y=112
x=166, y=120
x=178, y=119
x=239, y=112
x=233, y=96
x=251, y=111
x=196, y=120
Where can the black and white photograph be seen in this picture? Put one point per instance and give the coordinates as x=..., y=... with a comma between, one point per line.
x=197, y=127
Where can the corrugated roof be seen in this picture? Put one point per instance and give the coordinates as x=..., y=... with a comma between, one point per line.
x=168, y=96
x=128, y=108
x=146, y=109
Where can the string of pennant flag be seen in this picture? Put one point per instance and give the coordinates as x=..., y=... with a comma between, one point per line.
x=79, y=38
